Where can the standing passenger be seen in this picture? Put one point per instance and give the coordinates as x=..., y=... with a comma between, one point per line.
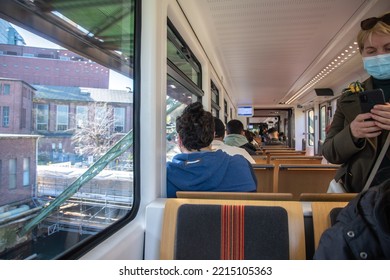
x=198, y=168
x=354, y=140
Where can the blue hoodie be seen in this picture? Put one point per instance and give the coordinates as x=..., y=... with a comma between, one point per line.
x=209, y=171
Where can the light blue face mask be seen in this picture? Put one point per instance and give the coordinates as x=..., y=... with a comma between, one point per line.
x=378, y=66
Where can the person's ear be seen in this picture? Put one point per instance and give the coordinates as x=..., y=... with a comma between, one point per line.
x=178, y=139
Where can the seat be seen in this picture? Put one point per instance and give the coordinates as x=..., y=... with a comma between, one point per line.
x=234, y=195
x=265, y=177
x=327, y=196
x=303, y=178
x=276, y=160
x=322, y=218
x=202, y=229
x=260, y=159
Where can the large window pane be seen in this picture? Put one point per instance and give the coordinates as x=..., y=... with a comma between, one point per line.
x=12, y=173
x=42, y=116
x=81, y=116
x=323, y=122
x=78, y=100
x=183, y=84
x=26, y=172
x=310, y=127
x=5, y=113
x=62, y=117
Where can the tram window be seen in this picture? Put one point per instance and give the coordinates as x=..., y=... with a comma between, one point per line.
x=82, y=181
x=323, y=112
x=225, y=108
x=182, y=57
x=183, y=84
x=214, y=100
x=310, y=127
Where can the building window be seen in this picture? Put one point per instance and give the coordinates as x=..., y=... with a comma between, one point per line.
x=12, y=174
x=6, y=89
x=5, y=116
x=119, y=119
x=62, y=117
x=23, y=117
x=81, y=116
x=42, y=116
x=100, y=113
x=26, y=172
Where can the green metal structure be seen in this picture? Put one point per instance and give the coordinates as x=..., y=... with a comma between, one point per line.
x=119, y=148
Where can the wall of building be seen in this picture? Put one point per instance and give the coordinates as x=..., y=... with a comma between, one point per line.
x=20, y=104
x=39, y=66
x=18, y=147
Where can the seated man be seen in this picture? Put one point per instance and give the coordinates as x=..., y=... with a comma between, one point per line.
x=273, y=137
x=198, y=168
x=236, y=136
x=218, y=144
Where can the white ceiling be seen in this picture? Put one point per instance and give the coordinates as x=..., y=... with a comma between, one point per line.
x=265, y=51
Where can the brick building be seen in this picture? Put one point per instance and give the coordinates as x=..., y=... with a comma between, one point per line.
x=16, y=106
x=59, y=110
x=17, y=167
x=56, y=67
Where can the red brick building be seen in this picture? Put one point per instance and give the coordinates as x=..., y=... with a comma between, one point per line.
x=16, y=104
x=18, y=154
x=56, y=67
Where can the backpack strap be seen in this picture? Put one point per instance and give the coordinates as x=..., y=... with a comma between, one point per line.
x=377, y=163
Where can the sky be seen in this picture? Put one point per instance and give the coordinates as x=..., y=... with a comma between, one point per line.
x=116, y=80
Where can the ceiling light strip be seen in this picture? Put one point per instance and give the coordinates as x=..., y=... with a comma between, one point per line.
x=346, y=54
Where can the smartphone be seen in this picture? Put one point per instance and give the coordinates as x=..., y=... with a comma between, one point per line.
x=369, y=98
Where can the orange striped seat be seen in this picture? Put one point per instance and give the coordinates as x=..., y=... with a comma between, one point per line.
x=203, y=229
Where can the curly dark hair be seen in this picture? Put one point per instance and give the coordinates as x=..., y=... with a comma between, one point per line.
x=195, y=127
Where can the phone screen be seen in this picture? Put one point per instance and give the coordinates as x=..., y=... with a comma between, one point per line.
x=370, y=98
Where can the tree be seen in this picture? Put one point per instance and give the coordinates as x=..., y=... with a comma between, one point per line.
x=94, y=137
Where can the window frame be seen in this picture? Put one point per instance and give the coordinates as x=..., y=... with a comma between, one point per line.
x=62, y=125
x=215, y=107
x=119, y=119
x=45, y=116
x=5, y=113
x=12, y=173
x=26, y=172
x=101, y=56
x=310, y=127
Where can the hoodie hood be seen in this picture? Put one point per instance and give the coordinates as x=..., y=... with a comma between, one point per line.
x=209, y=171
x=235, y=140
x=194, y=169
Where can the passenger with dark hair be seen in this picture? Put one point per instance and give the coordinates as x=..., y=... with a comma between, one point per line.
x=250, y=136
x=218, y=144
x=198, y=167
x=273, y=137
x=236, y=136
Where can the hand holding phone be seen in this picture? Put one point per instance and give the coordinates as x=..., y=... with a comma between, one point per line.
x=369, y=98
